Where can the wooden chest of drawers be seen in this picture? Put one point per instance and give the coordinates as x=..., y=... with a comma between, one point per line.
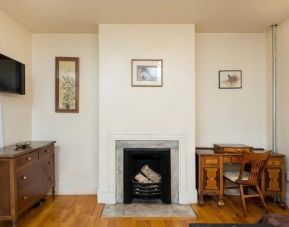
x=26, y=175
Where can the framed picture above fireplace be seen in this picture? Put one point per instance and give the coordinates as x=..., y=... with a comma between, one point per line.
x=147, y=72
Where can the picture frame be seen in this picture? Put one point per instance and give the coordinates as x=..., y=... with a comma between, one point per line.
x=230, y=79
x=146, y=72
x=67, y=84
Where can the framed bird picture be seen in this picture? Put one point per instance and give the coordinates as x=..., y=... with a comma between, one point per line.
x=230, y=79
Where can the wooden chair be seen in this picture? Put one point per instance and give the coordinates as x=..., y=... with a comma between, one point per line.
x=249, y=177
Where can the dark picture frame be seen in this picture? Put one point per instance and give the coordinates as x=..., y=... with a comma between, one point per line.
x=230, y=79
x=67, y=84
x=146, y=72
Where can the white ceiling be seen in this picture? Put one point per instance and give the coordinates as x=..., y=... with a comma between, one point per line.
x=83, y=16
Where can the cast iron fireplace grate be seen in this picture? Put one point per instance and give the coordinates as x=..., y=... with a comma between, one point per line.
x=146, y=189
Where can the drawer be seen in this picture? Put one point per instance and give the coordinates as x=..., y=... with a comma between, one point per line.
x=27, y=176
x=48, y=170
x=46, y=151
x=26, y=159
x=232, y=159
x=237, y=159
x=27, y=197
x=227, y=159
x=274, y=162
x=48, y=165
x=210, y=160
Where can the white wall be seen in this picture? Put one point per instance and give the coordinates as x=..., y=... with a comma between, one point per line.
x=231, y=115
x=126, y=110
x=15, y=42
x=283, y=92
x=75, y=134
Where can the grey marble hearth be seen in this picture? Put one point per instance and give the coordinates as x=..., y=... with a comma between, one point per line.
x=172, y=144
x=148, y=210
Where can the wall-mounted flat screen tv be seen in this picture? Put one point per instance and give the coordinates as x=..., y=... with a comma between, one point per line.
x=12, y=75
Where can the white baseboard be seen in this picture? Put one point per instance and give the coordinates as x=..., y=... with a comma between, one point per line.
x=76, y=188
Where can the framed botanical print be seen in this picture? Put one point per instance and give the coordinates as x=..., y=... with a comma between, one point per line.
x=147, y=72
x=67, y=84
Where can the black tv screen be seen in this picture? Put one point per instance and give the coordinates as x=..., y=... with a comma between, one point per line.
x=12, y=75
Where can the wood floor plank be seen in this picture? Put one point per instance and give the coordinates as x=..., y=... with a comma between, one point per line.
x=83, y=210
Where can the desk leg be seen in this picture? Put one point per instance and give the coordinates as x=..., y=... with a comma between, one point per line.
x=283, y=197
x=53, y=193
x=221, y=186
x=201, y=186
x=283, y=180
x=221, y=201
x=283, y=205
x=201, y=200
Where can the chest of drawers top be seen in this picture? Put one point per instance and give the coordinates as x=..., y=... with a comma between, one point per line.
x=11, y=151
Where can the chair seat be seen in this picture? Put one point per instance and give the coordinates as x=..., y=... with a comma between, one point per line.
x=234, y=175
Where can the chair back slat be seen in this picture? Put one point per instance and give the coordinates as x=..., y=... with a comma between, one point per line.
x=257, y=163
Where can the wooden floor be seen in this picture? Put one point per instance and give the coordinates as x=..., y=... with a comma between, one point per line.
x=79, y=211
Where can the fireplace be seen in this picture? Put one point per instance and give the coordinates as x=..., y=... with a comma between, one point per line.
x=147, y=175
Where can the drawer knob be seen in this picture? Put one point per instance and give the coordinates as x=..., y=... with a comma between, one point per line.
x=24, y=177
x=50, y=178
x=28, y=158
x=211, y=178
x=275, y=180
x=49, y=162
x=47, y=151
x=25, y=198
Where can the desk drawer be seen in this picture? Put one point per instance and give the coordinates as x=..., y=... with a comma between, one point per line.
x=26, y=159
x=274, y=162
x=237, y=159
x=233, y=159
x=210, y=161
x=227, y=159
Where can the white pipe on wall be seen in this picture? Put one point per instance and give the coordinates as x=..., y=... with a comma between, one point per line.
x=274, y=110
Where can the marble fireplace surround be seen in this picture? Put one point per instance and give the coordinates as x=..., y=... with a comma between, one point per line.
x=106, y=192
x=174, y=150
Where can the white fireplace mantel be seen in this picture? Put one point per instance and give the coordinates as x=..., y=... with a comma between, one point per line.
x=107, y=166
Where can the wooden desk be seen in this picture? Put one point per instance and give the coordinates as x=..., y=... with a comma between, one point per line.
x=210, y=171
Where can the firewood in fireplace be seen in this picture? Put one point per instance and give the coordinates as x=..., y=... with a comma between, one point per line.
x=142, y=179
x=150, y=174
